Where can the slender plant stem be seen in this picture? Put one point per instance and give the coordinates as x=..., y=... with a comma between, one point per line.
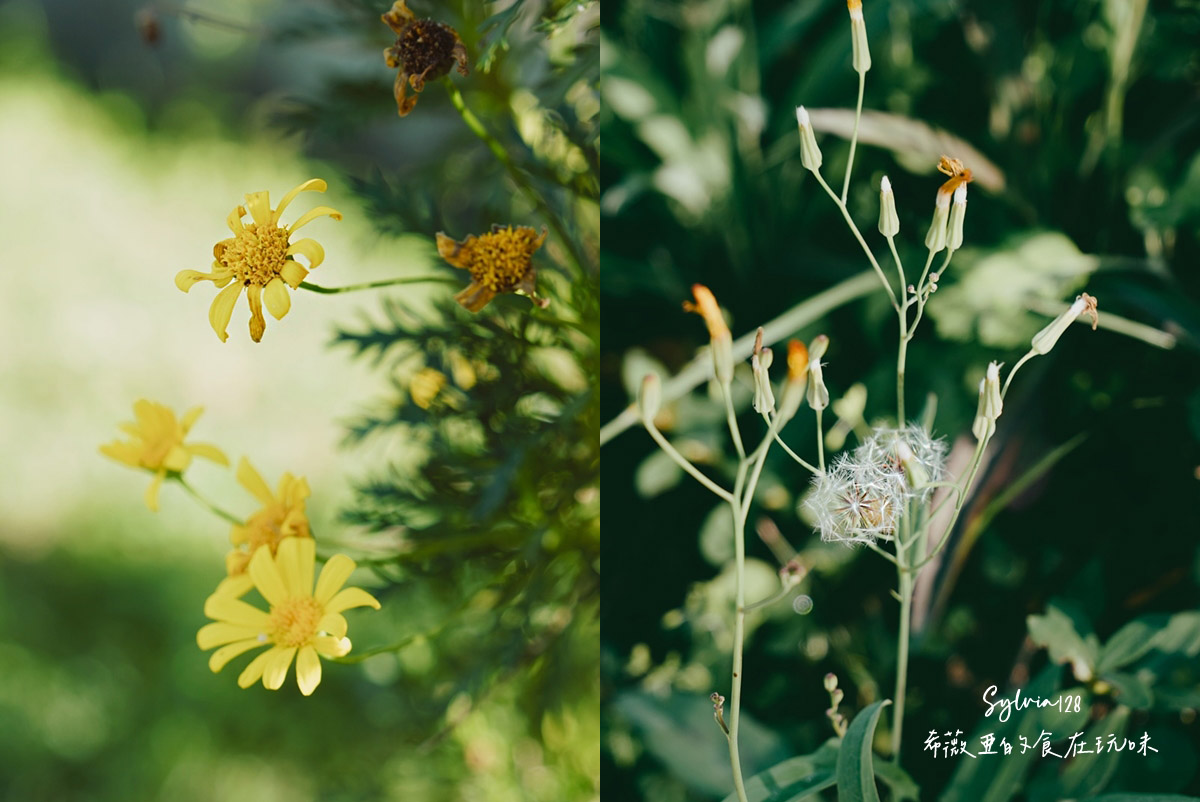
x=731, y=418
x=858, y=236
x=961, y=497
x=371, y=285
x=739, y=631
x=820, y=442
x=902, y=316
x=682, y=462
x=1013, y=372
x=882, y=553
x=213, y=508
x=519, y=178
x=906, y=594
x=796, y=456
x=862, y=80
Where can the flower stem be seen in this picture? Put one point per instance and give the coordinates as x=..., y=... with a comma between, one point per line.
x=906, y=594
x=739, y=631
x=213, y=508
x=370, y=285
x=858, y=236
x=682, y=462
x=731, y=417
x=519, y=178
x=820, y=442
x=862, y=80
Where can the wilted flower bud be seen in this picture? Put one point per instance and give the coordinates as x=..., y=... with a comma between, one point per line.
x=818, y=393
x=858, y=37
x=1045, y=339
x=791, y=573
x=722, y=341
x=760, y=362
x=983, y=427
x=957, y=213
x=649, y=398
x=991, y=403
x=831, y=682
x=889, y=221
x=916, y=475
x=797, y=380
x=810, y=154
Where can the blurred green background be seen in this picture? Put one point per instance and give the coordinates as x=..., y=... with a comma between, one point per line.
x=122, y=155
x=1081, y=122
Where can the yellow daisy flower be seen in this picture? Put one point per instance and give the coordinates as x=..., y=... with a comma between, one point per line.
x=301, y=623
x=282, y=516
x=499, y=261
x=157, y=445
x=260, y=258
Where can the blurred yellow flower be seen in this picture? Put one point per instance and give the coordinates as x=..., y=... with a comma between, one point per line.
x=157, y=444
x=499, y=261
x=282, y=516
x=260, y=258
x=301, y=623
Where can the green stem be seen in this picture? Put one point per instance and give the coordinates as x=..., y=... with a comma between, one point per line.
x=906, y=594
x=370, y=285
x=902, y=315
x=731, y=418
x=1013, y=372
x=518, y=177
x=213, y=508
x=858, y=236
x=683, y=462
x=739, y=631
x=862, y=80
x=820, y=442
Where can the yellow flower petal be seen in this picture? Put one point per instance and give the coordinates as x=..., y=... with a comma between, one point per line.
x=208, y=451
x=313, y=214
x=293, y=273
x=251, y=673
x=335, y=573
x=258, y=324
x=288, y=561
x=308, y=670
x=233, y=611
x=310, y=249
x=276, y=668
x=222, y=309
x=266, y=576
x=226, y=653
x=128, y=453
x=177, y=459
x=259, y=206
x=252, y=480
x=312, y=184
x=330, y=646
x=186, y=279
x=152, y=492
x=234, y=586
x=334, y=624
x=351, y=597
x=219, y=633
x=234, y=220
x=301, y=552
x=278, y=300
x=189, y=418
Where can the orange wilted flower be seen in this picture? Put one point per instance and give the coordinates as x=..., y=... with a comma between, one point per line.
x=959, y=175
x=706, y=306
x=797, y=361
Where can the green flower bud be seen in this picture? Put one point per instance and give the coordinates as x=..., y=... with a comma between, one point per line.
x=957, y=213
x=858, y=37
x=1045, y=339
x=889, y=221
x=810, y=153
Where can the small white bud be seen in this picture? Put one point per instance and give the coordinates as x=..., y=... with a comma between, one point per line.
x=957, y=213
x=810, y=153
x=889, y=221
x=1045, y=339
x=817, y=394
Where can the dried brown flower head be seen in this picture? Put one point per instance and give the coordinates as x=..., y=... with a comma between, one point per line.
x=425, y=50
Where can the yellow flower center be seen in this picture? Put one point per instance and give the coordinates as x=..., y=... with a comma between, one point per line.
x=295, y=621
x=257, y=254
x=500, y=258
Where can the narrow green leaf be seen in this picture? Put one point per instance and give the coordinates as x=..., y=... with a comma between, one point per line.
x=796, y=778
x=855, y=766
x=1129, y=643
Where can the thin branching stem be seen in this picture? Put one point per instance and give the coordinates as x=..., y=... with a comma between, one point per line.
x=858, y=236
x=683, y=462
x=211, y=506
x=862, y=80
x=371, y=285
